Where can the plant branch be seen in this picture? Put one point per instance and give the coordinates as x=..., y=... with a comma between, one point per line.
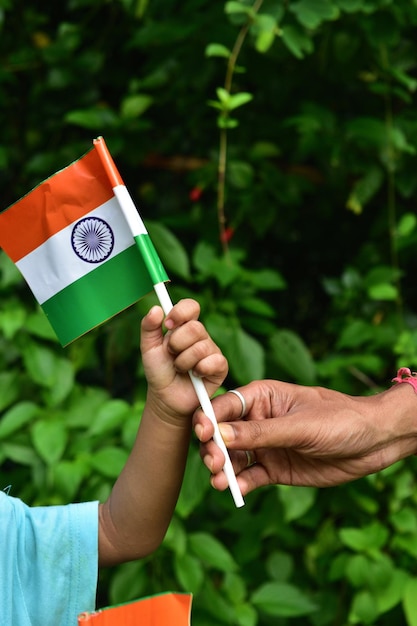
x=222, y=163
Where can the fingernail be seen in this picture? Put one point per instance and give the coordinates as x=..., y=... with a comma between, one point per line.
x=199, y=431
x=227, y=432
x=169, y=323
x=208, y=462
x=212, y=483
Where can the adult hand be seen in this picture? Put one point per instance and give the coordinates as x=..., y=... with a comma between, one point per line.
x=307, y=436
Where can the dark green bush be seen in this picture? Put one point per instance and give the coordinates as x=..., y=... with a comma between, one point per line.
x=271, y=149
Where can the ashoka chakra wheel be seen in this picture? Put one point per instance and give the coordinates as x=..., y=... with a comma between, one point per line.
x=92, y=239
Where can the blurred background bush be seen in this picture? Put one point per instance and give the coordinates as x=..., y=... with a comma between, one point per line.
x=271, y=149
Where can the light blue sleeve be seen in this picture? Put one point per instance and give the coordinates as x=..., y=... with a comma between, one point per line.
x=48, y=562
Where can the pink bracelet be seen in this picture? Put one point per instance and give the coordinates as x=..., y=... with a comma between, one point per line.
x=404, y=375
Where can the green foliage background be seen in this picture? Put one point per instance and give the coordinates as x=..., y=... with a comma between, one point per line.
x=271, y=148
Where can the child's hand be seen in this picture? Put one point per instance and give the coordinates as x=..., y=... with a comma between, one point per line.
x=167, y=358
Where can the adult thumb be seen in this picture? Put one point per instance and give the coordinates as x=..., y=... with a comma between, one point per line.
x=247, y=435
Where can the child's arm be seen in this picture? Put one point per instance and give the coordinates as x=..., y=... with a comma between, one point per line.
x=134, y=519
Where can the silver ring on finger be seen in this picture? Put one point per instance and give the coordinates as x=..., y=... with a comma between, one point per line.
x=242, y=399
x=250, y=458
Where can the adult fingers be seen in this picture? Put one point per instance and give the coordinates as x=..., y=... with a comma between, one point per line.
x=228, y=407
x=248, y=480
x=279, y=432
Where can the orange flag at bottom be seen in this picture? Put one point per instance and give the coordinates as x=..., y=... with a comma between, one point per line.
x=167, y=608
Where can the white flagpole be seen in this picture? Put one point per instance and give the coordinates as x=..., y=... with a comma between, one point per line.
x=137, y=228
x=165, y=301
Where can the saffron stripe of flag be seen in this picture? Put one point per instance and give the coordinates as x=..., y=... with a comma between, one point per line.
x=163, y=609
x=75, y=249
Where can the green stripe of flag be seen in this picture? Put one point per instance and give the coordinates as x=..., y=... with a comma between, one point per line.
x=97, y=296
x=151, y=258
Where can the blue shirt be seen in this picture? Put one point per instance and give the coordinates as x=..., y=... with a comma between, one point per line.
x=48, y=562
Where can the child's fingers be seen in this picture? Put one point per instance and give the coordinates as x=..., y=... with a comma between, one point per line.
x=204, y=358
x=151, y=329
x=184, y=311
x=214, y=367
x=188, y=335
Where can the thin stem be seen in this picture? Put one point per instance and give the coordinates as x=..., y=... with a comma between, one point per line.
x=221, y=170
x=391, y=196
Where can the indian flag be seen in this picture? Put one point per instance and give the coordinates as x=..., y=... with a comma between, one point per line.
x=84, y=256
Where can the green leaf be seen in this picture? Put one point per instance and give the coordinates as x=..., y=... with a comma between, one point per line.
x=390, y=595
x=364, y=609
x=357, y=570
x=176, y=536
x=237, y=7
x=367, y=131
x=49, y=438
x=217, y=50
x=204, y=256
x=110, y=416
x=194, y=486
x=224, y=121
x=246, y=357
x=68, y=476
x=109, y=461
x=12, y=319
x=235, y=587
x=265, y=29
x=16, y=417
x=135, y=105
x=311, y=13
x=238, y=99
x=37, y=324
x=92, y=119
x=240, y=174
x=280, y=566
x=218, y=606
x=355, y=333
x=290, y=353
x=297, y=42
x=9, y=274
x=189, y=572
x=9, y=388
x=365, y=189
x=371, y=537
x=223, y=96
x=211, y=552
x=406, y=225
x=410, y=601
x=246, y=615
x=41, y=364
x=264, y=41
x=258, y=307
x=24, y=455
x=404, y=520
x=128, y=582
x=404, y=78
x=62, y=384
x=383, y=292
x=282, y=600
x=296, y=500
x=265, y=279
x=170, y=250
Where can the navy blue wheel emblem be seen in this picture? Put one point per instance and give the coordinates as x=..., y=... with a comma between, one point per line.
x=92, y=239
